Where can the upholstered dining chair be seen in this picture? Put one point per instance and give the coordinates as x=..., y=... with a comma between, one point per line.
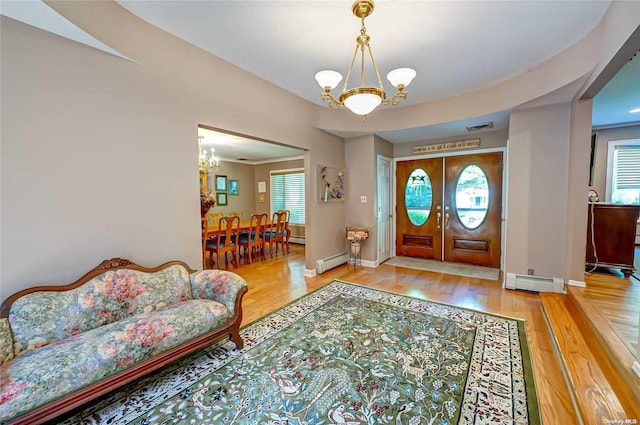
x=275, y=234
x=225, y=241
x=253, y=241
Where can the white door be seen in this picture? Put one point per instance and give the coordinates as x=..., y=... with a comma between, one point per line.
x=384, y=214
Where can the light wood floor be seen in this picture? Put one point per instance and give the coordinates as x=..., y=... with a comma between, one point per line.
x=617, y=300
x=275, y=282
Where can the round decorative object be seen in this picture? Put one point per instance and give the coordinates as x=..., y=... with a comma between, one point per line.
x=362, y=8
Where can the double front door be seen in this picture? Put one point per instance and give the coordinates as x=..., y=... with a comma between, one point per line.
x=450, y=208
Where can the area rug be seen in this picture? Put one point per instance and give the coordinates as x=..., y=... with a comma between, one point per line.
x=344, y=354
x=444, y=267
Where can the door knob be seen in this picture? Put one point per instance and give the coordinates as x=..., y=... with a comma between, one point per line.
x=446, y=221
x=438, y=218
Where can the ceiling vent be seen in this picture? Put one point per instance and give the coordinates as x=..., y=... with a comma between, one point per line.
x=482, y=126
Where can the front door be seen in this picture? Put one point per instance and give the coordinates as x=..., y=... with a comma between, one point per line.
x=419, y=208
x=450, y=208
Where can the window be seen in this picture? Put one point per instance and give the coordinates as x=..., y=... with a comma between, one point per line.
x=623, y=172
x=287, y=193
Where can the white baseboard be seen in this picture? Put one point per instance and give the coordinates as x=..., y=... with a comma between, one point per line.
x=577, y=283
x=310, y=273
x=365, y=263
x=636, y=368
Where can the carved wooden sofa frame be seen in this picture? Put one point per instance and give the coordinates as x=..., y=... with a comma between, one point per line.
x=78, y=398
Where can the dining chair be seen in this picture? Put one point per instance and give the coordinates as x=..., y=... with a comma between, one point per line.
x=275, y=234
x=287, y=230
x=225, y=241
x=237, y=213
x=212, y=218
x=253, y=241
x=205, y=237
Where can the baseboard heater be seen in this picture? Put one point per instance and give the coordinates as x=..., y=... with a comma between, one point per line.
x=328, y=263
x=534, y=283
x=297, y=239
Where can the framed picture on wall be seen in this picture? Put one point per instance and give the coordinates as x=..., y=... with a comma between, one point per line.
x=233, y=187
x=221, y=199
x=221, y=183
x=261, y=197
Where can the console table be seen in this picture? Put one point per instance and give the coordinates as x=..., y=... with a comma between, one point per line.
x=612, y=229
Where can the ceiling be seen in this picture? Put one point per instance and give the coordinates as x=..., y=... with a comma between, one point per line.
x=455, y=47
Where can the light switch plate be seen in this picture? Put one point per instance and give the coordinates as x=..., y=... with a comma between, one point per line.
x=363, y=199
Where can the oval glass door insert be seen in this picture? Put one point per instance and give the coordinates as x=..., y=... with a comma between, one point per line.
x=418, y=197
x=472, y=196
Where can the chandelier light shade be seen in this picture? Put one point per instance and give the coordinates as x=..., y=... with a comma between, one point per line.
x=363, y=100
x=208, y=163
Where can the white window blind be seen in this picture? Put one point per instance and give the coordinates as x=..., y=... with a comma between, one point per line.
x=287, y=193
x=625, y=173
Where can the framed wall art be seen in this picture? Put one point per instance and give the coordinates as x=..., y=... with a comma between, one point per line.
x=221, y=183
x=221, y=199
x=233, y=187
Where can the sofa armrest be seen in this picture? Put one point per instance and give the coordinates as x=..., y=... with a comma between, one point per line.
x=219, y=285
x=6, y=341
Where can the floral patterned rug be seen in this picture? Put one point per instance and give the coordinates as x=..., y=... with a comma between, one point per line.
x=344, y=354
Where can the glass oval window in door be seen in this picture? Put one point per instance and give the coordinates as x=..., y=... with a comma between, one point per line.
x=472, y=196
x=418, y=197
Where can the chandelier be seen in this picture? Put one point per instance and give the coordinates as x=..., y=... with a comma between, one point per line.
x=364, y=99
x=208, y=163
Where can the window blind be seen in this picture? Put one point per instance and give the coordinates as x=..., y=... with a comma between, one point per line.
x=287, y=193
x=626, y=174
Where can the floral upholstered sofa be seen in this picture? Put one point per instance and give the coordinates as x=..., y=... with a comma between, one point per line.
x=61, y=346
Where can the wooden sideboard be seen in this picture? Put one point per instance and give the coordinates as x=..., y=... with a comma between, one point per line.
x=612, y=229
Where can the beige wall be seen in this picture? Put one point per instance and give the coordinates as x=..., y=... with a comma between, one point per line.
x=488, y=140
x=102, y=152
x=246, y=199
x=537, y=182
x=578, y=180
x=325, y=220
x=359, y=154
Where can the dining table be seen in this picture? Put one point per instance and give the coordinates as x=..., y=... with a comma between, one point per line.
x=244, y=226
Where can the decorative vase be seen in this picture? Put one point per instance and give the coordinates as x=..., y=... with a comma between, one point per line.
x=206, y=203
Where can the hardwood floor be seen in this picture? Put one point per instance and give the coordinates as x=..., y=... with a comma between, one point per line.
x=608, y=310
x=275, y=282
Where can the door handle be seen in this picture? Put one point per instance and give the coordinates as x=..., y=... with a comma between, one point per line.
x=446, y=221
x=438, y=219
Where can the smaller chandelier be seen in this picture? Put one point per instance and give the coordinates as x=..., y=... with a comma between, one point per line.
x=363, y=100
x=208, y=163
